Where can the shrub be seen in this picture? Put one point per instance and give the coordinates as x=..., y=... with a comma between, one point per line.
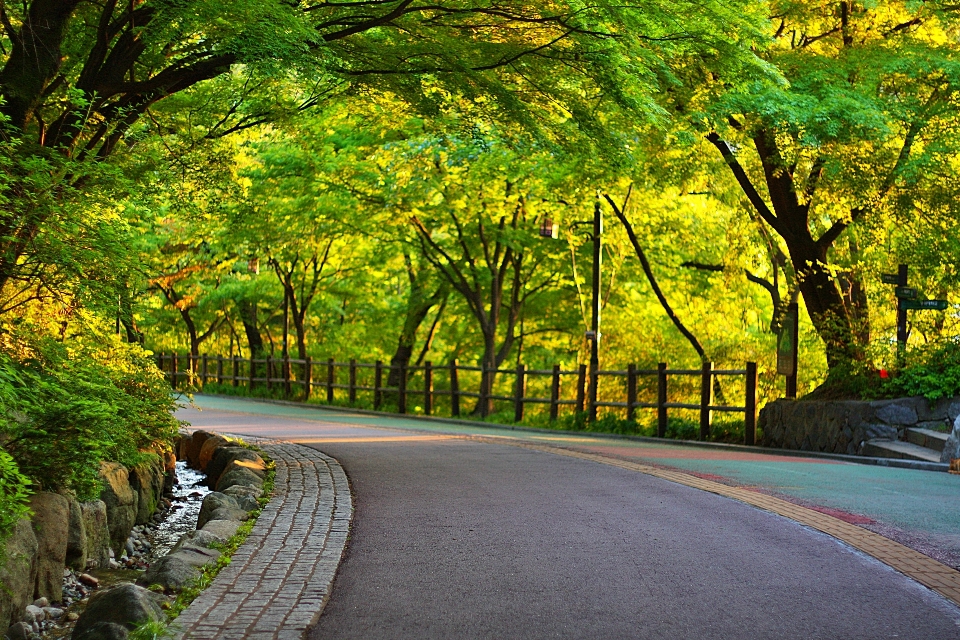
x=933, y=372
x=64, y=411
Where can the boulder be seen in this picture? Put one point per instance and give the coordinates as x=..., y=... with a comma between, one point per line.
x=76, y=537
x=125, y=604
x=20, y=631
x=210, y=446
x=222, y=528
x=211, y=502
x=239, y=490
x=170, y=572
x=245, y=501
x=239, y=476
x=169, y=472
x=258, y=467
x=225, y=513
x=147, y=479
x=197, y=438
x=223, y=456
x=51, y=525
x=121, y=501
x=198, y=538
x=97, y=534
x=951, y=450
x=18, y=572
x=177, y=569
x=104, y=631
x=183, y=446
x=897, y=413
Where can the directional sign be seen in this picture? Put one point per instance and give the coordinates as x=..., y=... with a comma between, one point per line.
x=907, y=293
x=938, y=305
x=890, y=278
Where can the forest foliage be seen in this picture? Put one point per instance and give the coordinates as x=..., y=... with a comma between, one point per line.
x=368, y=181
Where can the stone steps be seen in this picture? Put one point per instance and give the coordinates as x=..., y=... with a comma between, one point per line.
x=935, y=440
x=878, y=448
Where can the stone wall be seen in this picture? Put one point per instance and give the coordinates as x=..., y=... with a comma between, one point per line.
x=843, y=426
x=64, y=532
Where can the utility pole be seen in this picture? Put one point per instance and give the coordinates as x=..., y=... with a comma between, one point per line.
x=594, y=334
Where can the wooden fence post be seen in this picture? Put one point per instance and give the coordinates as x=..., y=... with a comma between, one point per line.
x=235, y=370
x=706, y=399
x=427, y=388
x=203, y=371
x=519, y=391
x=252, y=373
x=307, y=378
x=377, y=384
x=581, y=387
x=485, y=389
x=331, y=378
x=269, y=374
x=454, y=390
x=662, y=400
x=631, y=392
x=286, y=376
x=219, y=369
x=402, y=389
x=173, y=369
x=555, y=393
x=352, y=390
x=750, y=406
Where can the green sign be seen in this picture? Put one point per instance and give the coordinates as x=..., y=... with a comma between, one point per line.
x=938, y=305
x=890, y=278
x=907, y=293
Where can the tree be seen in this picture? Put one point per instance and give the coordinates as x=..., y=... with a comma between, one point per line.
x=869, y=88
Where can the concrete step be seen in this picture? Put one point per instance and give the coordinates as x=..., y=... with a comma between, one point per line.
x=897, y=449
x=926, y=438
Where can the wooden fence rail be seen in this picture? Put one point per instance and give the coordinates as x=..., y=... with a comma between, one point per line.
x=296, y=378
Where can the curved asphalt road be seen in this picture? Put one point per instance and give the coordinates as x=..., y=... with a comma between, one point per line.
x=460, y=539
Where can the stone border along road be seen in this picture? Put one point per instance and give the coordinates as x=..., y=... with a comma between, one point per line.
x=279, y=579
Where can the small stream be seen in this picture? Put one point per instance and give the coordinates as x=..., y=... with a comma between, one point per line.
x=181, y=516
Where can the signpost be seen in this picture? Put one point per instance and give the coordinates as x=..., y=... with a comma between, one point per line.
x=907, y=301
x=787, y=348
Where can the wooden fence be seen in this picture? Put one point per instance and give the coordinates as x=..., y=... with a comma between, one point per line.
x=293, y=378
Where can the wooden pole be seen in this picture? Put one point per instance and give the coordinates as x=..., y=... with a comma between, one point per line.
x=235, y=372
x=750, y=406
x=352, y=390
x=706, y=399
x=219, y=369
x=427, y=388
x=519, y=390
x=331, y=378
x=307, y=377
x=377, y=384
x=203, y=372
x=173, y=369
x=662, y=400
x=402, y=389
x=269, y=374
x=581, y=387
x=485, y=389
x=286, y=376
x=252, y=373
x=555, y=393
x=631, y=392
x=454, y=390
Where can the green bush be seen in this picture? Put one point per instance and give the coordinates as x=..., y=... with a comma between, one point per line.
x=932, y=371
x=64, y=411
x=14, y=493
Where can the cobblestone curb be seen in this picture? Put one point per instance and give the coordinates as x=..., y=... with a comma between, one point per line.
x=279, y=579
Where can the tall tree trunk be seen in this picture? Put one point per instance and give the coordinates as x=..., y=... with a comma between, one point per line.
x=248, y=316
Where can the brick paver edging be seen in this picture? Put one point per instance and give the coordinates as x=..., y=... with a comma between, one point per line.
x=924, y=569
x=278, y=581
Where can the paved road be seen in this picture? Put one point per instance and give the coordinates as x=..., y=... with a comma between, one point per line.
x=453, y=538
